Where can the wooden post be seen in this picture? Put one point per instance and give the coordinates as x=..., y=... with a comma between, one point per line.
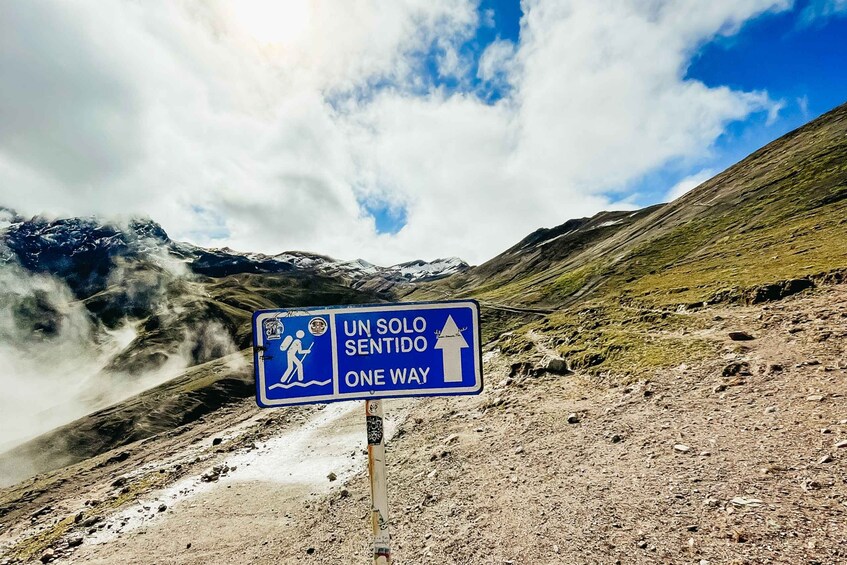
x=379, y=495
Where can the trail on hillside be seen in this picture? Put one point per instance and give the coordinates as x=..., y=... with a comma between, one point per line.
x=734, y=458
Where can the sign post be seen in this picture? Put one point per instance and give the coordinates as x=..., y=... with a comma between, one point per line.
x=379, y=489
x=368, y=352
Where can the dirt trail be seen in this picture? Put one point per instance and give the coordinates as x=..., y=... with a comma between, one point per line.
x=257, y=493
x=685, y=466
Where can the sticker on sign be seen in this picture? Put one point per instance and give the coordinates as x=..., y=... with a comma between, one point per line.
x=329, y=354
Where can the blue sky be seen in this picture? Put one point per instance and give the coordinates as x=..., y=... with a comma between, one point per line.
x=800, y=63
x=798, y=56
x=394, y=130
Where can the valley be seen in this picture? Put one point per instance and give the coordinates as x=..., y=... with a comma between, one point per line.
x=662, y=386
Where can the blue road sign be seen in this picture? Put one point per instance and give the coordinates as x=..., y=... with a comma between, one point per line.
x=328, y=354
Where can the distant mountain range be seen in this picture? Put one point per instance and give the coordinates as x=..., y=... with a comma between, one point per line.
x=95, y=311
x=83, y=252
x=769, y=226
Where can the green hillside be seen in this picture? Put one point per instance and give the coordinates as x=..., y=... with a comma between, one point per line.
x=779, y=214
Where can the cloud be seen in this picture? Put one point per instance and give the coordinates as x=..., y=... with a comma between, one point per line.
x=818, y=11
x=174, y=110
x=689, y=183
x=496, y=61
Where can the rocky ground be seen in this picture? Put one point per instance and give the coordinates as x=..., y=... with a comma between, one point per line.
x=741, y=458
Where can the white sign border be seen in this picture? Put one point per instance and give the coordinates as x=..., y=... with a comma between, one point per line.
x=330, y=311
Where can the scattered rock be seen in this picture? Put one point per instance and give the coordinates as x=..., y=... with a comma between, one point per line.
x=217, y=441
x=163, y=507
x=815, y=397
x=310, y=550
x=48, y=555
x=332, y=476
x=43, y=511
x=88, y=522
x=215, y=473
x=556, y=365
x=519, y=450
x=119, y=458
x=616, y=438
x=520, y=369
x=573, y=418
x=740, y=336
x=344, y=493
x=775, y=368
x=744, y=501
x=736, y=368
x=770, y=409
x=841, y=444
x=451, y=439
x=692, y=527
x=75, y=541
x=825, y=459
x=681, y=448
x=119, y=482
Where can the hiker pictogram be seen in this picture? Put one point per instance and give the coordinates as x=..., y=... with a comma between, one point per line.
x=295, y=353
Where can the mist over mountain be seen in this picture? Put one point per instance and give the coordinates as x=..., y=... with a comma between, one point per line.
x=95, y=311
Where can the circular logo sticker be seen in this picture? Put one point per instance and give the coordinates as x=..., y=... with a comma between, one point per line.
x=317, y=326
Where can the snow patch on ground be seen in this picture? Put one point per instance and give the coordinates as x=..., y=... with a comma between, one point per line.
x=331, y=441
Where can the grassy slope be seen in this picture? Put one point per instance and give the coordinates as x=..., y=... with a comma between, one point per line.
x=615, y=293
x=780, y=213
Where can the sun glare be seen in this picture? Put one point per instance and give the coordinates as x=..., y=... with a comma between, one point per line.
x=273, y=21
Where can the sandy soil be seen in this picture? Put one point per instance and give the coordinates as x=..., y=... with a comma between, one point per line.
x=686, y=467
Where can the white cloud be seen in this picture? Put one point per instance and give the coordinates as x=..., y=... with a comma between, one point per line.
x=497, y=61
x=689, y=183
x=175, y=111
x=818, y=10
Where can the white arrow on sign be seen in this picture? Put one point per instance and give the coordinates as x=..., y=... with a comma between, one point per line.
x=451, y=343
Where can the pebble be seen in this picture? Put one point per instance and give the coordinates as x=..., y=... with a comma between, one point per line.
x=573, y=418
x=163, y=507
x=740, y=336
x=841, y=444
x=770, y=409
x=681, y=448
x=332, y=476
x=825, y=459
x=75, y=541
x=48, y=555
x=814, y=397
x=519, y=450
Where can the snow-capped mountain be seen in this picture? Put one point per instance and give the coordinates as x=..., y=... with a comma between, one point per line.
x=84, y=251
